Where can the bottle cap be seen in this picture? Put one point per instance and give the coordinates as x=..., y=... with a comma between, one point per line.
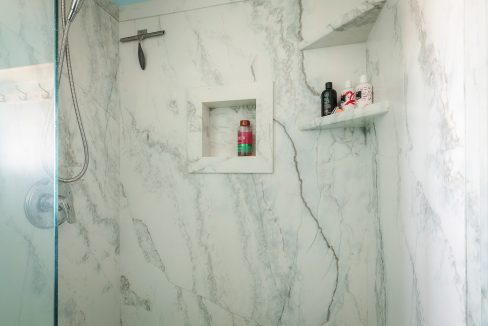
x=348, y=84
x=245, y=123
x=328, y=85
x=363, y=79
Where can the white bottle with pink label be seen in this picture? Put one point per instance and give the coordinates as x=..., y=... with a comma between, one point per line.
x=364, y=92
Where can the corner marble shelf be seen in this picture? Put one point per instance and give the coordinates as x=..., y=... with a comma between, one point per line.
x=353, y=27
x=353, y=119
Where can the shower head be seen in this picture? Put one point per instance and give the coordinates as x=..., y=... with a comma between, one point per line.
x=75, y=8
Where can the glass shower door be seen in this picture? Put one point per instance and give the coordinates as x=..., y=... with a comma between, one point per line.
x=27, y=163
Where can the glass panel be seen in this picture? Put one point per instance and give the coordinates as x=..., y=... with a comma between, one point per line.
x=27, y=163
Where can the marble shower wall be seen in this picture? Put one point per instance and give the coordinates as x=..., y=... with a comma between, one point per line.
x=416, y=58
x=297, y=247
x=89, y=291
x=476, y=52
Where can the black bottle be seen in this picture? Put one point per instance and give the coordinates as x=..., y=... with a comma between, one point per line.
x=329, y=99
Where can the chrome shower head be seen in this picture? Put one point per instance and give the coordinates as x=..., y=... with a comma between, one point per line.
x=75, y=8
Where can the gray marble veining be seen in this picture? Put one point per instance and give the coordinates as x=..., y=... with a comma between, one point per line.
x=89, y=275
x=296, y=247
x=414, y=60
x=355, y=227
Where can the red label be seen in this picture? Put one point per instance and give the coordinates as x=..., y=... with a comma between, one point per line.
x=349, y=98
x=244, y=137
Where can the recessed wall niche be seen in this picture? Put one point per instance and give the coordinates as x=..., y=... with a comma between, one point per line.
x=214, y=114
x=221, y=118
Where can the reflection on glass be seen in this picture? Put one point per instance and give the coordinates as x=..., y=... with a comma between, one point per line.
x=27, y=165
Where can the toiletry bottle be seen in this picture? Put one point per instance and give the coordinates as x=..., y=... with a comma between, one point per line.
x=329, y=99
x=348, y=97
x=364, y=92
x=244, y=139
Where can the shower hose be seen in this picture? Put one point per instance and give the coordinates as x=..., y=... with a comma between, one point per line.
x=64, y=53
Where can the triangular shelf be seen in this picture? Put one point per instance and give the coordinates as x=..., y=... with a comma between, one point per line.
x=353, y=27
x=355, y=118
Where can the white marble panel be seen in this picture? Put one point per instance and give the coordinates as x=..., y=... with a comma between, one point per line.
x=94, y=43
x=300, y=246
x=476, y=52
x=415, y=56
x=89, y=274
